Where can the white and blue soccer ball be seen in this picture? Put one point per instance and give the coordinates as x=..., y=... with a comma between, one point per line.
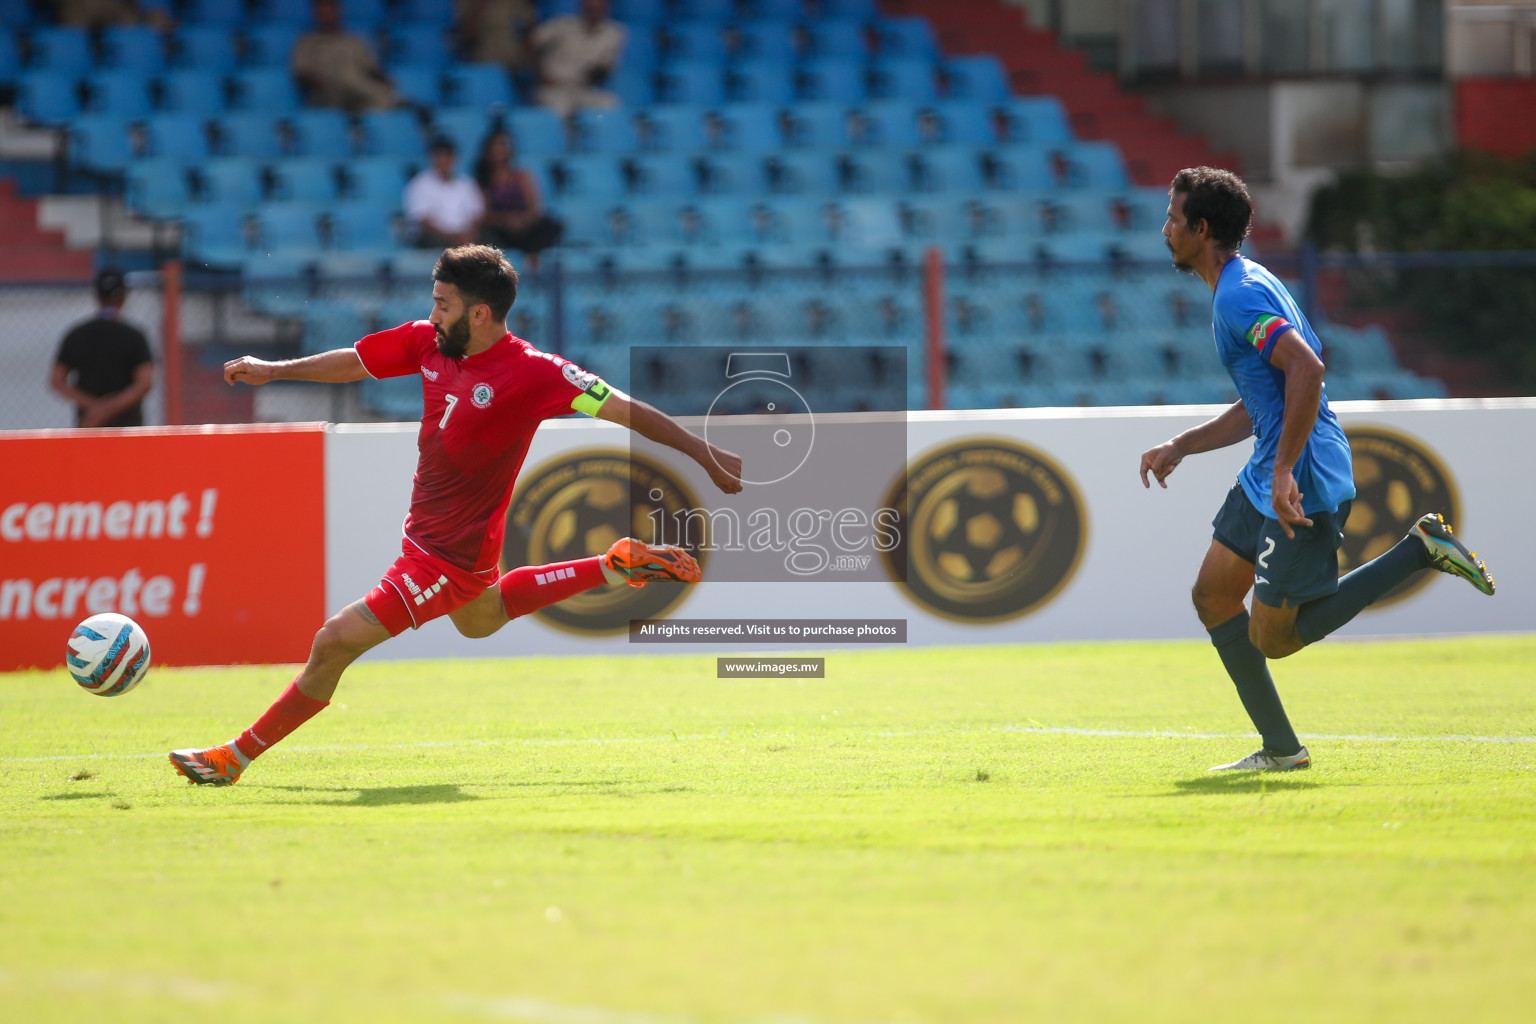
x=108, y=654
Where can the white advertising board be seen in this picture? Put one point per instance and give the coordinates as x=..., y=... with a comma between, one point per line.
x=1135, y=550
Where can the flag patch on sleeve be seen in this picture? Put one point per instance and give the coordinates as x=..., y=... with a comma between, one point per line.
x=1265, y=329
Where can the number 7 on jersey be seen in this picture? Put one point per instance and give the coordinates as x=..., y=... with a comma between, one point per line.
x=452, y=400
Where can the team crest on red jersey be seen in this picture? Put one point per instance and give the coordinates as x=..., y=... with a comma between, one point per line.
x=577, y=376
x=482, y=395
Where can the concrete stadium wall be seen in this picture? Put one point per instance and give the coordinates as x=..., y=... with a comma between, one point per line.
x=1140, y=547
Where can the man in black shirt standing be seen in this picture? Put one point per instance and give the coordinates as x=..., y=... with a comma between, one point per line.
x=109, y=360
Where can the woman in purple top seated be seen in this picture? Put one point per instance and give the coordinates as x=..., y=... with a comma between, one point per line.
x=514, y=209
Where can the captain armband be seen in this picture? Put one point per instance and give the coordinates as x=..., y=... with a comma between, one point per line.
x=592, y=399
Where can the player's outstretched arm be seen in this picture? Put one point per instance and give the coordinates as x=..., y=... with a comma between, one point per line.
x=1232, y=426
x=337, y=366
x=723, y=467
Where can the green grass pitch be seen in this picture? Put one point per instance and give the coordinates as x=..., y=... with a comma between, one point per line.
x=936, y=836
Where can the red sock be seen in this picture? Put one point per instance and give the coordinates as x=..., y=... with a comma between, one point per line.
x=531, y=587
x=286, y=714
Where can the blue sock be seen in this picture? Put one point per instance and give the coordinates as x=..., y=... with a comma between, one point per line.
x=1255, y=686
x=1359, y=589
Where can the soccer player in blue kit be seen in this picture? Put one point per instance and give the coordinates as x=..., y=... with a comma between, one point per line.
x=1279, y=531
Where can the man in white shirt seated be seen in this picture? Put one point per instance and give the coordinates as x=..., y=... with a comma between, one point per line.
x=575, y=55
x=443, y=206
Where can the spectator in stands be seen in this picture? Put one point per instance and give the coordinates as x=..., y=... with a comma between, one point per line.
x=575, y=55
x=495, y=31
x=336, y=68
x=514, y=217
x=108, y=360
x=444, y=207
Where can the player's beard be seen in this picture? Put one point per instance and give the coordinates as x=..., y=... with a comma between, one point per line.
x=454, y=341
x=1178, y=264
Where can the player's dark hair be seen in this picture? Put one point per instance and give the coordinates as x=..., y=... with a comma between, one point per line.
x=481, y=274
x=1217, y=197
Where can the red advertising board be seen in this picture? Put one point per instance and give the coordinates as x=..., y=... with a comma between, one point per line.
x=213, y=538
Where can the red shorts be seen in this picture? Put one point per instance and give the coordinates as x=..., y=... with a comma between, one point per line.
x=419, y=588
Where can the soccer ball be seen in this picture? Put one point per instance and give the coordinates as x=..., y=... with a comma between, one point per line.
x=108, y=654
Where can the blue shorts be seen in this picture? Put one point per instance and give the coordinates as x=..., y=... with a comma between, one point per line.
x=1299, y=569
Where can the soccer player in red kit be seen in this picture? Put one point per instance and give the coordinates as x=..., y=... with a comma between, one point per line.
x=485, y=393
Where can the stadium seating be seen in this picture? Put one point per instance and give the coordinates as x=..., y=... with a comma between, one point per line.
x=775, y=171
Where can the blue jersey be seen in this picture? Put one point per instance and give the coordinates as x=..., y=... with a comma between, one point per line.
x=1249, y=313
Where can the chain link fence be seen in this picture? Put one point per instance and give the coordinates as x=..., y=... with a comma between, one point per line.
x=988, y=334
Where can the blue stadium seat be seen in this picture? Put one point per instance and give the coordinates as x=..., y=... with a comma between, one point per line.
x=477, y=85
x=662, y=174
x=157, y=188
x=10, y=58
x=830, y=81
x=773, y=10
x=766, y=41
x=817, y=126
x=905, y=37
x=325, y=133
x=595, y=177
x=231, y=180
x=674, y=129
x=420, y=85
x=760, y=81
x=963, y=123
x=363, y=16
x=699, y=41
x=100, y=142
x=1096, y=165
x=1021, y=168
x=377, y=180
x=47, y=97
x=361, y=226
x=704, y=10
x=124, y=94
x=19, y=13
x=203, y=46
x=887, y=124
x=605, y=131
x=417, y=46
x=947, y=169
x=749, y=128
x=536, y=130
x=863, y=10
x=216, y=235
x=433, y=12
x=466, y=127
x=192, y=91
x=391, y=133
x=288, y=12
x=871, y=222
x=214, y=12
x=270, y=89
x=181, y=137
x=61, y=50
x=308, y=179
x=836, y=38
x=887, y=173
x=690, y=82
x=903, y=78
x=1035, y=121
x=741, y=174
x=634, y=85
x=291, y=227
x=269, y=46
x=133, y=48
x=803, y=173
x=329, y=324
x=639, y=12
x=978, y=78
x=247, y=133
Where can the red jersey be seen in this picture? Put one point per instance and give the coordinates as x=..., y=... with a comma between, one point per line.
x=478, y=418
